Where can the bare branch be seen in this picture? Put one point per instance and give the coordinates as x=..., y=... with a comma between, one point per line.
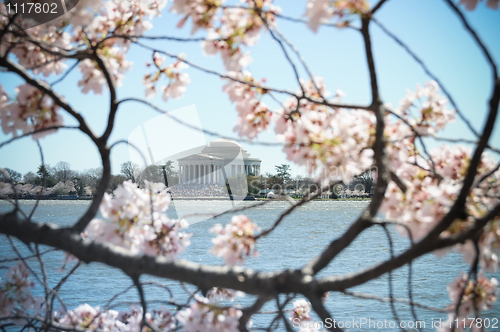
x=429, y=73
x=476, y=38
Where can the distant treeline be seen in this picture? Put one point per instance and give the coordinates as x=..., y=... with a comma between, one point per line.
x=62, y=180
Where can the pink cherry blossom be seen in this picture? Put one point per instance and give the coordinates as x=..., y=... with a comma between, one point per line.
x=93, y=318
x=238, y=27
x=204, y=316
x=234, y=58
x=201, y=12
x=127, y=18
x=221, y=294
x=92, y=76
x=300, y=311
x=493, y=4
x=432, y=185
x=425, y=109
x=177, y=79
x=317, y=12
x=472, y=4
x=489, y=248
x=136, y=225
x=478, y=295
x=31, y=111
x=321, y=11
x=15, y=293
x=235, y=241
x=30, y=55
x=331, y=143
x=254, y=116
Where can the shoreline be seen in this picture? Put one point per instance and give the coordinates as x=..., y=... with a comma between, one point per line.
x=248, y=198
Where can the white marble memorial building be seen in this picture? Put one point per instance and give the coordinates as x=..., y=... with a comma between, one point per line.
x=207, y=167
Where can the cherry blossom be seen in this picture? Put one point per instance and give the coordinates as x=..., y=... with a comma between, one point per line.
x=234, y=58
x=489, y=248
x=92, y=76
x=300, y=311
x=235, y=241
x=162, y=319
x=64, y=188
x=432, y=187
x=472, y=4
x=177, y=79
x=432, y=182
x=31, y=111
x=239, y=27
x=425, y=110
x=136, y=220
x=15, y=293
x=331, y=142
x=253, y=115
x=30, y=55
x=92, y=318
x=321, y=11
x=318, y=12
x=85, y=316
x=201, y=12
x=478, y=295
x=220, y=294
x=205, y=316
x=123, y=18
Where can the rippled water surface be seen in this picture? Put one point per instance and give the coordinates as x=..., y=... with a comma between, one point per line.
x=300, y=237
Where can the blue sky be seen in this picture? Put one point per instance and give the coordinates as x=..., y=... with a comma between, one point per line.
x=428, y=26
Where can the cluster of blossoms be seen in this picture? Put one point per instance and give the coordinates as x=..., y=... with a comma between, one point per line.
x=300, y=317
x=136, y=220
x=30, y=55
x=478, y=295
x=472, y=4
x=425, y=110
x=177, y=80
x=31, y=111
x=489, y=248
x=201, y=12
x=253, y=115
x=204, y=315
x=432, y=183
x=300, y=311
x=322, y=11
x=43, y=47
x=430, y=186
x=15, y=294
x=222, y=294
x=122, y=18
x=325, y=139
x=238, y=26
x=61, y=188
x=235, y=241
x=92, y=318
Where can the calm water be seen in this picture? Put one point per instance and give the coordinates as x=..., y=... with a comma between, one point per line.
x=300, y=237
